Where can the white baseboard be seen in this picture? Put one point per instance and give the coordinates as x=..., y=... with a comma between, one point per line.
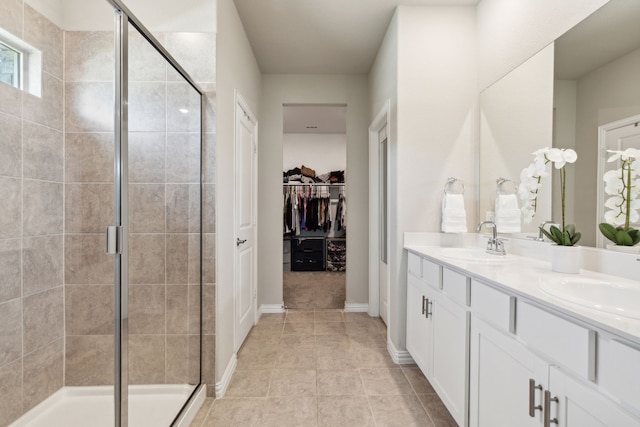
x=270, y=309
x=401, y=357
x=351, y=307
x=221, y=387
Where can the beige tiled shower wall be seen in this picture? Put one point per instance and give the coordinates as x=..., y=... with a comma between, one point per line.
x=56, y=196
x=31, y=223
x=164, y=205
x=89, y=200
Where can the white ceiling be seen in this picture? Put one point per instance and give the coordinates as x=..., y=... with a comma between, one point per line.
x=320, y=36
x=316, y=118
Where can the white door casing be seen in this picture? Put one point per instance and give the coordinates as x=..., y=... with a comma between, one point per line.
x=618, y=135
x=245, y=289
x=379, y=167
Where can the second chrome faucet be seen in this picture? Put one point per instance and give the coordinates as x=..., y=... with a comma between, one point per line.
x=495, y=246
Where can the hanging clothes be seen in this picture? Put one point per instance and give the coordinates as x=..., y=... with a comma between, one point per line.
x=341, y=212
x=306, y=208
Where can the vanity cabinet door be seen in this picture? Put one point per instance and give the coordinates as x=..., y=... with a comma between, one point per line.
x=450, y=330
x=500, y=388
x=579, y=405
x=419, y=332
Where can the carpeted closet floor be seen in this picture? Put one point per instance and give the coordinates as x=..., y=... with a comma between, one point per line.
x=314, y=290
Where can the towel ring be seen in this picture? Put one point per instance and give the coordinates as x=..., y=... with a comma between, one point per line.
x=453, y=186
x=505, y=186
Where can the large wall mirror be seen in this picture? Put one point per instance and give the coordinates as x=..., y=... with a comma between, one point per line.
x=588, y=78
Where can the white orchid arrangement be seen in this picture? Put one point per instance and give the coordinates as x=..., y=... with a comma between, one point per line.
x=530, y=178
x=623, y=185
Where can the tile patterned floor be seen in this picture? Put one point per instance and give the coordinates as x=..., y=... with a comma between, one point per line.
x=323, y=368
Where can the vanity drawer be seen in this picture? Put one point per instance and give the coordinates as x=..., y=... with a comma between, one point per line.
x=572, y=346
x=618, y=371
x=431, y=273
x=493, y=306
x=414, y=265
x=456, y=286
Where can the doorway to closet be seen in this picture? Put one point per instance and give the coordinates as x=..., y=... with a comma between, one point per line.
x=314, y=206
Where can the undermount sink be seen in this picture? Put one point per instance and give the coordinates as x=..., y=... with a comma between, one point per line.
x=475, y=255
x=621, y=299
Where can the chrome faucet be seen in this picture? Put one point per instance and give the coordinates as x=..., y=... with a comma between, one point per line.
x=541, y=227
x=495, y=246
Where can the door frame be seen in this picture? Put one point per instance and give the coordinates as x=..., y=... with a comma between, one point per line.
x=240, y=102
x=381, y=120
x=602, y=162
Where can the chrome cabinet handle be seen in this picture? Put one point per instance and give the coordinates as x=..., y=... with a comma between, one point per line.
x=240, y=241
x=424, y=304
x=428, y=309
x=532, y=397
x=547, y=409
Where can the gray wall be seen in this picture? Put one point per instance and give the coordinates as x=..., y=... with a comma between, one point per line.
x=312, y=89
x=603, y=96
x=237, y=70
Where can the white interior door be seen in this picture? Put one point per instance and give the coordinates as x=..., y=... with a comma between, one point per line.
x=620, y=135
x=245, y=291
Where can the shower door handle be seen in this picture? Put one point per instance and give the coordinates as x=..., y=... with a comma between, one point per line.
x=113, y=240
x=240, y=241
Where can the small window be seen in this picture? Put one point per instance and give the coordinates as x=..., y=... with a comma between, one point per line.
x=10, y=65
x=20, y=64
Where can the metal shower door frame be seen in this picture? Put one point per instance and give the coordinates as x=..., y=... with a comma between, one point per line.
x=123, y=17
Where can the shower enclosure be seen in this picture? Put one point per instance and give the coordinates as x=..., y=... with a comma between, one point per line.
x=101, y=243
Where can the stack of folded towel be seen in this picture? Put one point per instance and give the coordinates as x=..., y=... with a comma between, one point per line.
x=454, y=217
x=507, y=214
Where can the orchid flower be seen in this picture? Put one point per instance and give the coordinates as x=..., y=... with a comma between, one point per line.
x=623, y=185
x=531, y=176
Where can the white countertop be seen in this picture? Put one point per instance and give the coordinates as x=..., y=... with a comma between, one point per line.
x=522, y=275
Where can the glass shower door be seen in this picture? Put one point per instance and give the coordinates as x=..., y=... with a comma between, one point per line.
x=161, y=217
x=164, y=236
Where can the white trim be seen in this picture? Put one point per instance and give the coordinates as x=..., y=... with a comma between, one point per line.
x=352, y=307
x=270, y=309
x=381, y=120
x=401, y=357
x=223, y=384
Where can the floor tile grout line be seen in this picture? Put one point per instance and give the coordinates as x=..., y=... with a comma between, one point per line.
x=373, y=416
x=415, y=393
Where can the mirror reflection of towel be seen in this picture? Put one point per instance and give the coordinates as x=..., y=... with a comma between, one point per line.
x=507, y=214
x=454, y=216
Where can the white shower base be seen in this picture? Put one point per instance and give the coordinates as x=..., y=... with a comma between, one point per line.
x=149, y=406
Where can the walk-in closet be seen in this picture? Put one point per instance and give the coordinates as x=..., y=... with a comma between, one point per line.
x=314, y=206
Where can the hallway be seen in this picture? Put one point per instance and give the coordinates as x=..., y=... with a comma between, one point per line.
x=322, y=368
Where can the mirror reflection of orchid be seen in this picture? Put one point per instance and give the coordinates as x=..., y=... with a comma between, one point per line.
x=623, y=185
x=530, y=178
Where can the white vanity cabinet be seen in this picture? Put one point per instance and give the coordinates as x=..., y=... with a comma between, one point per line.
x=498, y=358
x=419, y=330
x=574, y=403
x=438, y=331
x=534, y=369
x=506, y=380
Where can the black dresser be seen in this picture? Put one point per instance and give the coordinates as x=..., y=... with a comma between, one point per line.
x=307, y=254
